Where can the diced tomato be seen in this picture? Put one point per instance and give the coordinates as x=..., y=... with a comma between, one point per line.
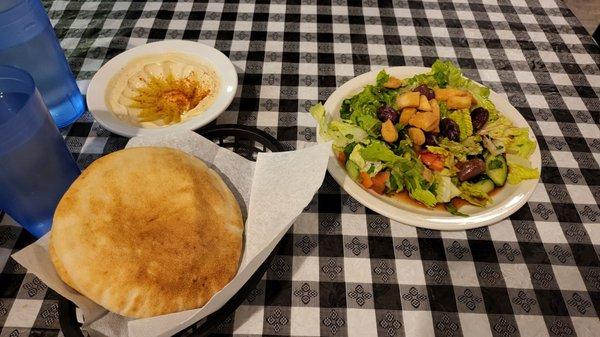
x=433, y=160
x=341, y=157
x=365, y=180
x=379, y=181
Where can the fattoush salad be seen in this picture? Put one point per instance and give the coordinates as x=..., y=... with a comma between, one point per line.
x=436, y=137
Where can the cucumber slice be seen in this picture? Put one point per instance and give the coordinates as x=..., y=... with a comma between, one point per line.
x=496, y=169
x=352, y=169
x=486, y=185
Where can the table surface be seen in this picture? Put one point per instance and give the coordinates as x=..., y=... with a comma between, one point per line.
x=343, y=269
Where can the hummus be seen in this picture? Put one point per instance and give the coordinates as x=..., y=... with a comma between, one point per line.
x=162, y=89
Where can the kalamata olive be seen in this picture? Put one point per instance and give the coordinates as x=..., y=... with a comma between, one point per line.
x=430, y=139
x=387, y=112
x=471, y=169
x=479, y=117
x=425, y=90
x=449, y=129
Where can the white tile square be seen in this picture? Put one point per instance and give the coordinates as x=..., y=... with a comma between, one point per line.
x=305, y=321
x=574, y=103
x=402, y=230
x=465, y=15
x=550, y=232
x=503, y=231
x=463, y=273
x=267, y=118
x=439, y=32
x=407, y=31
x=305, y=268
x=586, y=326
x=361, y=322
x=481, y=53
x=340, y=28
x=342, y=48
x=410, y=272
x=581, y=194
x=23, y=313
x=446, y=52
x=525, y=77
x=559, y=20
x=496, y=16
x=583, y=58
x=354, y=224
x=593, y=231
x=248, y=320
x=550, y=129
x=489, y=75
x=539, y=194
x=516, y=275
x=417, y=323
x=537, y=101
x=475, y=325
x=564, y=159
x=589, y=130
x=538, y=36
x=570, y=38
x=568, y=278
x=357, y=270
x=531, y=326
x=527, y=18
x=506, y=35
x=549, y=56
x=561, y=79
x=455, y=235
x=434, y=14
x=473, y=33
x=515, y=54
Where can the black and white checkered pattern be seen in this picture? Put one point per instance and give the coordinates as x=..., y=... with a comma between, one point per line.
x=344, y=270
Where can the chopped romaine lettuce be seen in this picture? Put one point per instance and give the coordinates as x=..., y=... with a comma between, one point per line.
x=470, y=146
x=521, y=145
x=474, y=194
x=463, y=119
x=382, y=77
x=443, y=109
x=370, y=124
x=520, y=169
x=377, y=151
x=357, y=158
x=339, y=132
x=445, y=190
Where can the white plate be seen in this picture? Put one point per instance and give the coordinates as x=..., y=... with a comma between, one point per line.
x=508, y=200
x=97, y=89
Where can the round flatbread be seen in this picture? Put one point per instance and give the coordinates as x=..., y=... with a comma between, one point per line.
x=147, y=231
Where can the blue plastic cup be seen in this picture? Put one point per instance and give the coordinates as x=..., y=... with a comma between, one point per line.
x=36, y=168
x=27, y=41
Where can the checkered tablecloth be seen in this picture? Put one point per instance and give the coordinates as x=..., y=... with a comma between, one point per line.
x=343, y=269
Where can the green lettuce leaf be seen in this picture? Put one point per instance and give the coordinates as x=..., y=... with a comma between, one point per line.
x=369, y=123
x=378, y=151
x=520, y=169
x=382, y=77
x=474, y=194
x=445, y=190
x=339, y=132
x=463, y=119
x=469, y=147
x=521, y=145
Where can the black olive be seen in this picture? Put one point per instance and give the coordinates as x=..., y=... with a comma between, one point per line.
x=449, y=129
x=386, y=112
x=471, y=169
x=479, y=117
x=430, y=139
x=425, y=90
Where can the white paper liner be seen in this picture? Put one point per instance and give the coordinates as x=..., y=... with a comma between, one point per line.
x=272, y=192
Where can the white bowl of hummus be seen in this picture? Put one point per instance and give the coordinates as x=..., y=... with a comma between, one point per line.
x=161, y=87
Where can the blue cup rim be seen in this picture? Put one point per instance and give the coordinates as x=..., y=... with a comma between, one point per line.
x=17, y=74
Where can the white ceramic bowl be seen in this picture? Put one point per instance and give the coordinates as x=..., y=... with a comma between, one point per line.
x=508, y=200
x=96, y=92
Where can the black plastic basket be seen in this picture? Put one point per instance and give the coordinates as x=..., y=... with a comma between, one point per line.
x=247, y=142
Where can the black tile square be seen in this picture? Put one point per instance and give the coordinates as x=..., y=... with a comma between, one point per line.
x=278, y=293
x=432, y=249
x=534, y=253
x=289, y=80
x=331, y=245
x=386, y=296
x=551, y=302
x=164, y=14
x=330, y=203
x=157, y=34
x=288, y=105
x=332, y=295
x=80, y=130
x=441, y=298
x=381, y=247
x=10, y=285
x=496, y=300
x=286, y=245
x=585, y=255
x=483, y=251
x=568, y=213
x=327, y=81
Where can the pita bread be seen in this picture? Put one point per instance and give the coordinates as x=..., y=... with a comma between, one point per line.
x=147, y=231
